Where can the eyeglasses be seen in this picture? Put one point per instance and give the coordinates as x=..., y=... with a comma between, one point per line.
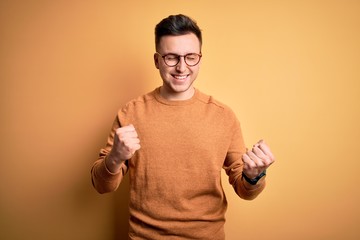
x=191, y=59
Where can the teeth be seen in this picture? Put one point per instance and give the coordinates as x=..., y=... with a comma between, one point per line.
x=180, y=77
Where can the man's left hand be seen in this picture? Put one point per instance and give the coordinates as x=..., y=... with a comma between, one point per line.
x=257, y=160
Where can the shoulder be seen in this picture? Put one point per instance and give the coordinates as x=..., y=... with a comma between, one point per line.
x=220, y=112
x=138, y=102
x=212, y=102
x=135, y=108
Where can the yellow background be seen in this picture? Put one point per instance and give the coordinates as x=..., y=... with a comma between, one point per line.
x=289, y=69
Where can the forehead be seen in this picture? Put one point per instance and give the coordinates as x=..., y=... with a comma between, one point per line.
x=183, y=44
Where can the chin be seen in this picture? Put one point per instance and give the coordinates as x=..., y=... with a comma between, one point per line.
x=180, y=88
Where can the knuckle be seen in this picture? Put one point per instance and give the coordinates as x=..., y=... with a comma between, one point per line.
x=260, y=164
x=268, y=160
x=252, y=164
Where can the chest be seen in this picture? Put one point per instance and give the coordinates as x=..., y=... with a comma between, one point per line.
x=183, y=134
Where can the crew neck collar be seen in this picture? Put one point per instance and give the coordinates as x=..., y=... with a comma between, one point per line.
x=163, y=100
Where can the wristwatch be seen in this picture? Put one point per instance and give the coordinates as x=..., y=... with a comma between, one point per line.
x=253, y=181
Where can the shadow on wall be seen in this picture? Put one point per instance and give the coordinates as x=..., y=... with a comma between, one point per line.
x=121, y=210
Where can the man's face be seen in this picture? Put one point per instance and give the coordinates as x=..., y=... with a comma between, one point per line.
x=177, y=80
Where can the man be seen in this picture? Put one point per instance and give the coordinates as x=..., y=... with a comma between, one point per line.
x=174, y=142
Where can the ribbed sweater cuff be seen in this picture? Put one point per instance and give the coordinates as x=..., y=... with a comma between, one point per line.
x=106, y=174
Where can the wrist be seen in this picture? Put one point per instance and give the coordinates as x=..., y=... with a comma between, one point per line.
x=112, y=162
x=254, y=181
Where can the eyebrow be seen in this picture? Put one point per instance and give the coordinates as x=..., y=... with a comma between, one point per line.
x=179, y=54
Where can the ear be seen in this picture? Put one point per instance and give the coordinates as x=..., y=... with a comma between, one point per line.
x=156, y=60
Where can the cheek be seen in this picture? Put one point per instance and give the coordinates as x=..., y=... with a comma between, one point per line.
x=164, y=69
x=195, y=71
x=164, y=73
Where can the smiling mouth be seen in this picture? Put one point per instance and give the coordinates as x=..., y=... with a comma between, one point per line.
x=180, y=77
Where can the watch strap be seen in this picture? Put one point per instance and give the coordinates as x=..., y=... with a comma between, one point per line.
x=253, y=181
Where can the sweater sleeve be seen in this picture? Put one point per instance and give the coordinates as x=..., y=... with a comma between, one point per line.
x=233, y=166
x=102, y=179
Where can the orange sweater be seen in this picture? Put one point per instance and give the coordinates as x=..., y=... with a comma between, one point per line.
x=175, y=183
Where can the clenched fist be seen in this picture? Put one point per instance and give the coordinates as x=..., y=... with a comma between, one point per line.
x=257, y=160
x=126, y=143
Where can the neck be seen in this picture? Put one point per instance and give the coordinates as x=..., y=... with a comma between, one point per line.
x=177, y=96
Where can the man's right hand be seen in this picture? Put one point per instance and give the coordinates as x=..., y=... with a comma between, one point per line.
x=126, y=143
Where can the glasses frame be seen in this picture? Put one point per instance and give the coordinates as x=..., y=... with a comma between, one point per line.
x=178, y=58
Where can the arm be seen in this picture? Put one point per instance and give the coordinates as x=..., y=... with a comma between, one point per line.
x=238, y=163
x=108, y=171
x=256, y=163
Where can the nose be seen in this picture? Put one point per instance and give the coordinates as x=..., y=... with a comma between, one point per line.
x=181, y=66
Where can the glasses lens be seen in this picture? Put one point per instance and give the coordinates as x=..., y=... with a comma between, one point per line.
x=171, y=59
x=192, y=59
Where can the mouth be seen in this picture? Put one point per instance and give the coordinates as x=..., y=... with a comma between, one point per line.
x=180, y=77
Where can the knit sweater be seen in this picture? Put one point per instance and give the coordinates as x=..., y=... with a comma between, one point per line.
x=175, y=178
